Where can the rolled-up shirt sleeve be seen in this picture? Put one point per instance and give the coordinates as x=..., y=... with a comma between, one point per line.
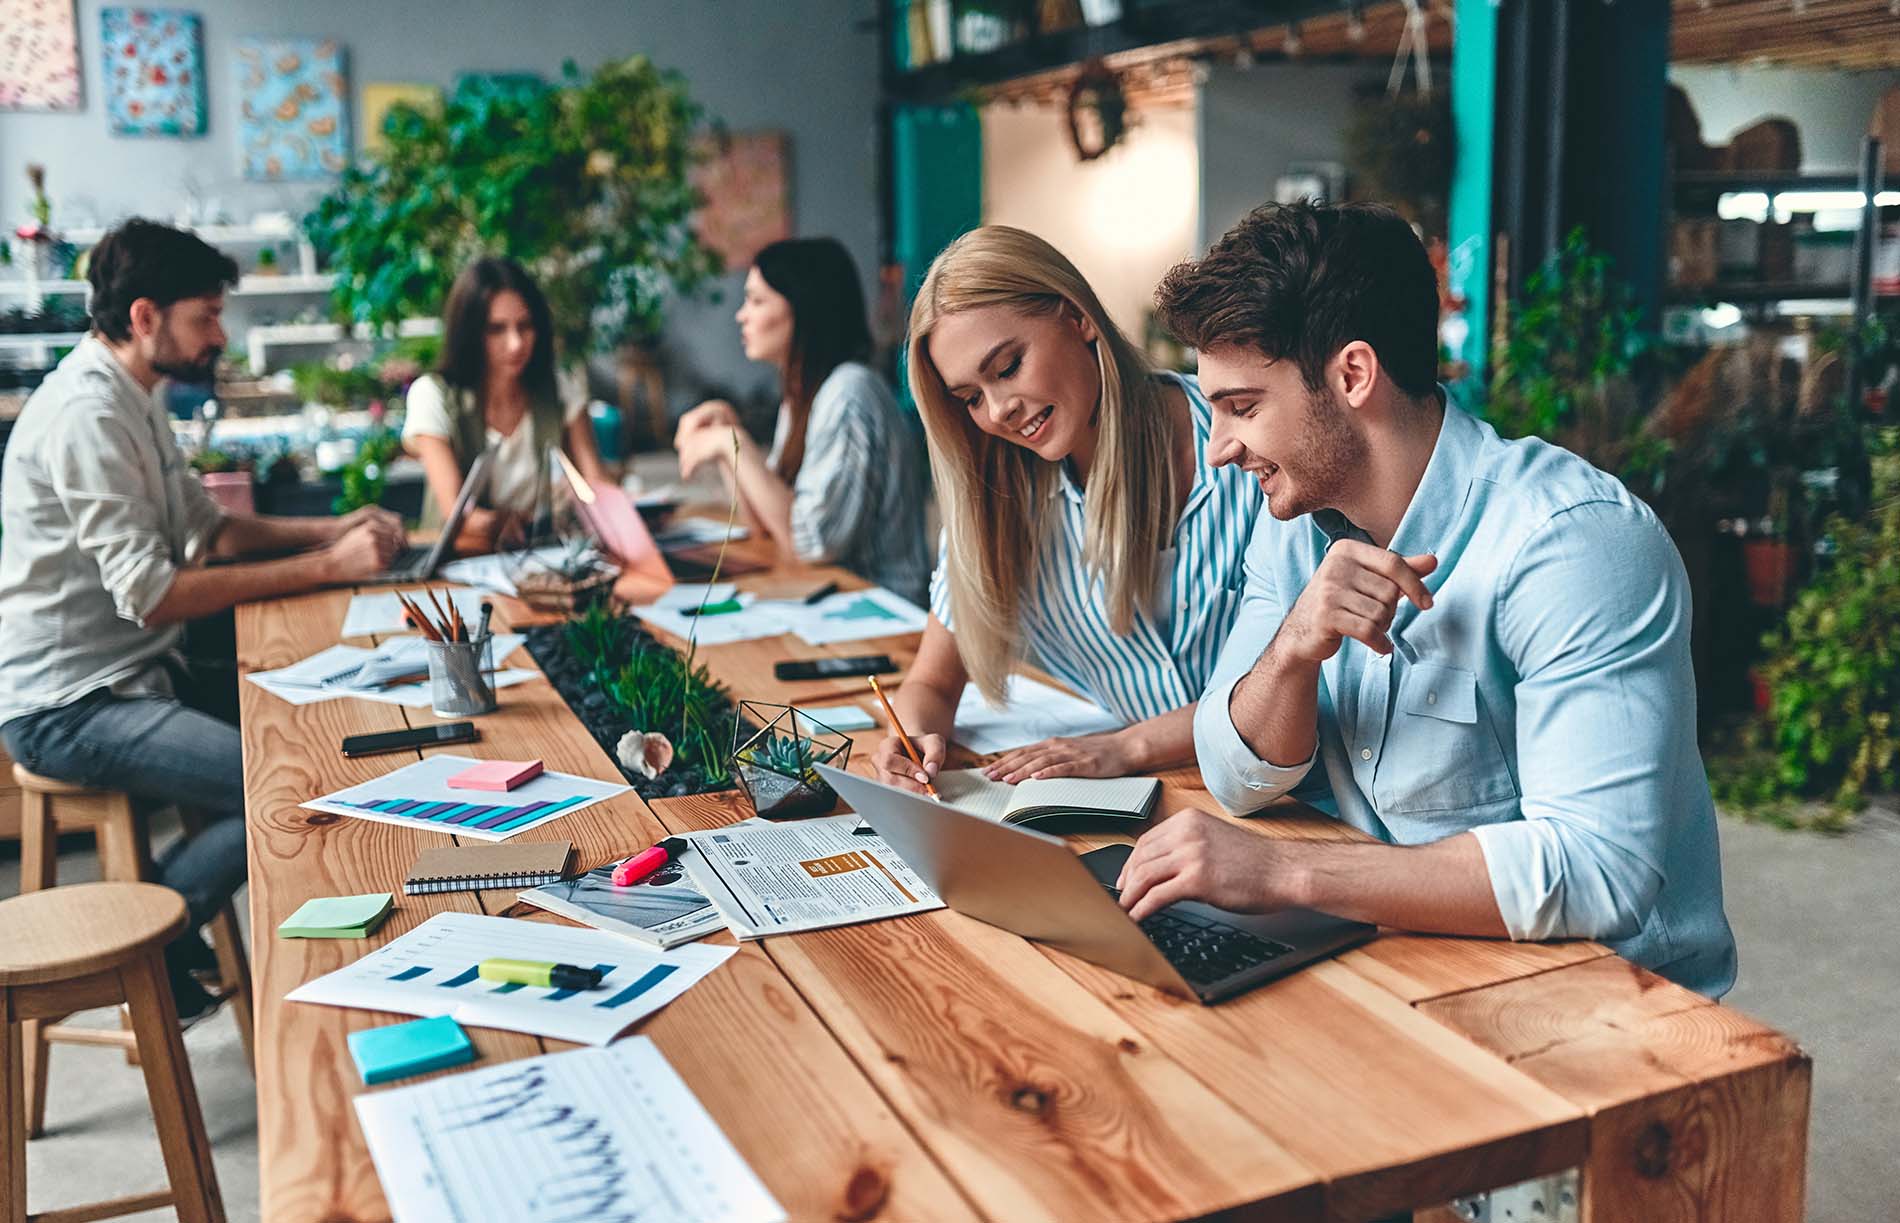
x=1238, y=779
x=116, y=518
x=1602, y=712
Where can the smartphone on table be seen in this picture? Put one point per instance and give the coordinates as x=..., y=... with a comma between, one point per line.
x=416, y=736
x=834, y=668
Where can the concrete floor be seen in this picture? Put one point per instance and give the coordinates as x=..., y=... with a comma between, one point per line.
x=1816, y=918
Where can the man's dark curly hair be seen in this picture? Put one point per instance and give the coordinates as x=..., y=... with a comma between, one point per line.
x=1304, y=280
x=142, y=258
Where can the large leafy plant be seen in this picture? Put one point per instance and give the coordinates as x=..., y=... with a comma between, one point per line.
x=1833, y=674
x=585, y=183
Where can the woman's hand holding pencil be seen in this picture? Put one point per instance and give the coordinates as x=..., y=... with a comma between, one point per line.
x=906, y=762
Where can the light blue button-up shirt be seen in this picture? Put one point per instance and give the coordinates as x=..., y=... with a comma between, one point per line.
x=1545, y=703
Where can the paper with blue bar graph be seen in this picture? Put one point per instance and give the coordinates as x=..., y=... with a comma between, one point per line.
x=418, y=796
x=432, y=970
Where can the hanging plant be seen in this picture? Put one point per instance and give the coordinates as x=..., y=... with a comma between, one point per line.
x=1098, y=111
x=1399, y=152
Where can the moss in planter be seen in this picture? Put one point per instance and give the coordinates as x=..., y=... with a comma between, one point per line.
x=616, y=677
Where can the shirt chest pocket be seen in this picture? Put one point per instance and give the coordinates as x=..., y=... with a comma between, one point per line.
x=1441, y=753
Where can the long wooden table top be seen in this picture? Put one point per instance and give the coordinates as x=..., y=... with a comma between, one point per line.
x=934, y=1067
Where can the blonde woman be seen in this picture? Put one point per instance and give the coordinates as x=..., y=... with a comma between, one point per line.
x=1084, y=532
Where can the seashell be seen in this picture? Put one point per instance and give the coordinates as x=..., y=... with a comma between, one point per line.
x=647, y=753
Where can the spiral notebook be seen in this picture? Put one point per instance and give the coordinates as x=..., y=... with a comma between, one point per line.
x=465, y=868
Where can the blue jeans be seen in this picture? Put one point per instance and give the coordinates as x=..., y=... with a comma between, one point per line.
x=159, y=750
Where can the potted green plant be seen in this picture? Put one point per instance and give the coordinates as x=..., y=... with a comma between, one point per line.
x=585, y=183
x=334, y=386
x=227, y=479
x=775, y=765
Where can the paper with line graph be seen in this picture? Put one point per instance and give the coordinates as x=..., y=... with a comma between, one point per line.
x=592, y=1134
x=419, y=796
x=432, y=970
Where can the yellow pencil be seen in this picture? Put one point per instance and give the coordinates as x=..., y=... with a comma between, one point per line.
x=901, y=736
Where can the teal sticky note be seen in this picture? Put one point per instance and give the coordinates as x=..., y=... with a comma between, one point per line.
x=338, y=916
x=403, y=1049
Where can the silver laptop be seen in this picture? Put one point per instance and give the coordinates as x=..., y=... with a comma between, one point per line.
x=1034, y=885
x=418, y=563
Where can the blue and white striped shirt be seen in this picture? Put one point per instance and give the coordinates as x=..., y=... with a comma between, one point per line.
x=1167, y=657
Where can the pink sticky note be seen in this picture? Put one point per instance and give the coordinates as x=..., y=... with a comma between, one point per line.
x=496, y=775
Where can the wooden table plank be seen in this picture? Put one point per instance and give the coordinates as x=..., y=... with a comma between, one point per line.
x=1041, y=1103
x=1696, y=1111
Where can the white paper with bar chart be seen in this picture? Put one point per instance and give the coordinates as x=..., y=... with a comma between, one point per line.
x=432, y=970
x=419, y=796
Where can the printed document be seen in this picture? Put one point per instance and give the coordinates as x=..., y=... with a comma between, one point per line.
x=588, y=1134
x=779, y=878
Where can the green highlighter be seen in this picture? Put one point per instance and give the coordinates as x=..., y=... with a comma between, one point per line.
x=541, y=973
x=338, y=916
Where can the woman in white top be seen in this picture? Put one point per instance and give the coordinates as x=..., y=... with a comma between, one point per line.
x=496, y=387
x=844, y=482
x=1084, y=532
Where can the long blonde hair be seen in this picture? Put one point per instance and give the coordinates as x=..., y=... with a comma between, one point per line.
x=996, y=495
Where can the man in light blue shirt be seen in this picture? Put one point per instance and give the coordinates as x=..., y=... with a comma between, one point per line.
x=1482, y=645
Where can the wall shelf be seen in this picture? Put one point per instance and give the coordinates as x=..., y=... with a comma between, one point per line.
x=258, y=341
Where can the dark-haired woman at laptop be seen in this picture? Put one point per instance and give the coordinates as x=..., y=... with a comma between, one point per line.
x=844, y=482
x=496, y=386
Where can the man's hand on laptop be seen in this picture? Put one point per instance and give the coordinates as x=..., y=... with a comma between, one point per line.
x=363, y=551
x=390, y=524
x=895, y=767
x=1192, y=855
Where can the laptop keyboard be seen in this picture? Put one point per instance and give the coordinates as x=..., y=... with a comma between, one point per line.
x=409, y=559
x=1204, y=950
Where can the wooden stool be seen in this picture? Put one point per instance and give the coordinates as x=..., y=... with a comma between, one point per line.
x=99, y=944
x=47, y=808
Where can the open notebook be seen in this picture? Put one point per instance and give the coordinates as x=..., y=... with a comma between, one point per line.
x=1129, y=798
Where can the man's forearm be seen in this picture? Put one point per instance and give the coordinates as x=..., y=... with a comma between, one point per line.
x=1275, y=708
x=1441, y=888
x=247, y=534
x=196, y=593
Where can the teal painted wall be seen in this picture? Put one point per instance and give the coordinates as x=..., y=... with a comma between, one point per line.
x=1474, y=60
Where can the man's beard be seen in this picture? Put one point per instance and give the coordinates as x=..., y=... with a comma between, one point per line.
x=199, y=372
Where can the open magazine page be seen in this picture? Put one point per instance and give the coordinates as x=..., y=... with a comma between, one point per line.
x=663, y=909
x=777, y=878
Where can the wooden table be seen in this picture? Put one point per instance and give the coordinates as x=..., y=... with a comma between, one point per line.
x=937, y=1068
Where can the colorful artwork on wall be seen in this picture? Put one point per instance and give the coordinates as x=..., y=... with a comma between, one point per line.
x=379, y=96
x=293, y=110
x=153, y=71
x=39, y=55
x=744, y=180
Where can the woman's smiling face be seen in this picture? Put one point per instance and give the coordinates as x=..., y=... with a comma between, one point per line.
x=1028, y=378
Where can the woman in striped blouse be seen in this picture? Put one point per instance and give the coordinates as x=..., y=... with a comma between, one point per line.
x=844, y=482
x=1084, y=532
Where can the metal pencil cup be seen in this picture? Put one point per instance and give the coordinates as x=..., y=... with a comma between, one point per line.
x=459, y=677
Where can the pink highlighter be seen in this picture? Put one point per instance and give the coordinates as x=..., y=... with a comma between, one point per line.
x=644, y=863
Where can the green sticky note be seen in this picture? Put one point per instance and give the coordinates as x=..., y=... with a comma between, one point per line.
x=403, y=1049
x=338, y=916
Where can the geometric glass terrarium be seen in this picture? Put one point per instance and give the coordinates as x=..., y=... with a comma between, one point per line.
x=774, y=765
